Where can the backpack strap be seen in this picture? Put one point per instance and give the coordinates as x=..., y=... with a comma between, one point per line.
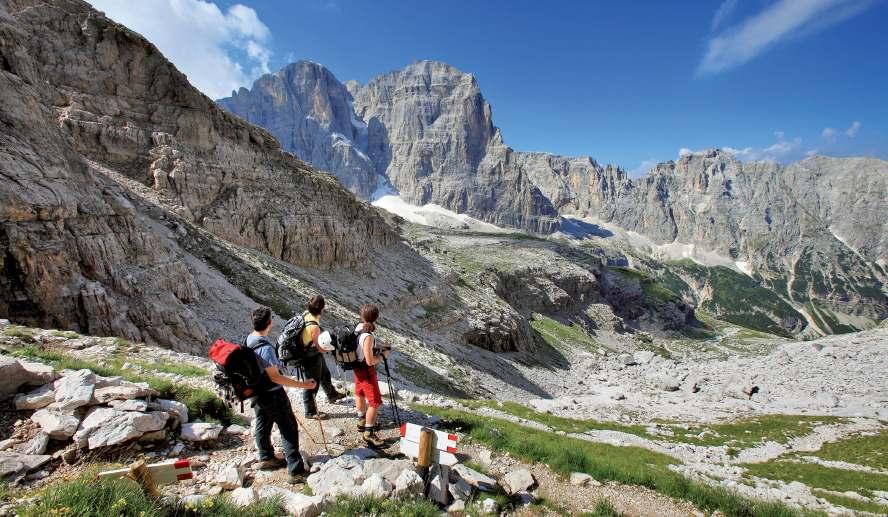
x=262, y=342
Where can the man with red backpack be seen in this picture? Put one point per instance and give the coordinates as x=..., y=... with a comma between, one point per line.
x=271, y=405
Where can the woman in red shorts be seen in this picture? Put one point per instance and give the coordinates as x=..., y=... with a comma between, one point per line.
x=368, y=398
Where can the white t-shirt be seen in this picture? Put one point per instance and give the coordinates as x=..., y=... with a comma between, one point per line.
x=362, y=336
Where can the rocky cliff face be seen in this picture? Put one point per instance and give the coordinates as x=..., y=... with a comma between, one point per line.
x=310, y=112
x=82, y=95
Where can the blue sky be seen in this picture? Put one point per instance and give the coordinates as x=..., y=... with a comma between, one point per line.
x=630, y=83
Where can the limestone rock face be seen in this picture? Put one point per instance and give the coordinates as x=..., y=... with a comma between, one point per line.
x=309, y=111
x=83, y=100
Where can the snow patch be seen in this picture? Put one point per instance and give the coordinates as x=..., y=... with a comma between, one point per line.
x=388, y=199
x=744, y=266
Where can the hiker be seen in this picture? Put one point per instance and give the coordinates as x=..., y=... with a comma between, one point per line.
x=313, y=362
x=272, y=406
x=368, y=398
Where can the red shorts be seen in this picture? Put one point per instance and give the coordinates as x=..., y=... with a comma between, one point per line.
x=367, y=386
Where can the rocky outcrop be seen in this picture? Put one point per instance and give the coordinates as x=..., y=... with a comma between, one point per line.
x=310, y=113
x=82, y=95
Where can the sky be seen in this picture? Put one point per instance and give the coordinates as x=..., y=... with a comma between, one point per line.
x=629, y=83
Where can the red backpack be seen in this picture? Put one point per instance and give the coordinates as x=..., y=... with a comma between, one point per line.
x=239, y=375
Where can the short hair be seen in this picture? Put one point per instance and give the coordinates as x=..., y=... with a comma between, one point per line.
x=369, y=315
x=261, y=318
x=316, y=304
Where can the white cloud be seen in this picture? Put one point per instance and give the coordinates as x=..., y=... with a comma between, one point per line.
x=218, y=51
x=852, y=131
x=725, y=10
x=783, y=150
x=811, y=153
x=828, y=134
x=781, y=20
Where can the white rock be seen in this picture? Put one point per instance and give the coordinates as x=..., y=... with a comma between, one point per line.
x=408, y=484
x=38, y=374
x=296, y=504
x=626, y=359
x=475, y=478
x=461, y=490
x=107, y=426
x=458, y=506
x=193, y=500
x=388, y=469
x=122, y=392
x=173, y=407
x=518, y=481
x=17, y=465
x=38, y=444
x=376, y=486
x=200, y=431
x=74, y=390
x=36, y=399
x=11, y=376
x=58, y=425
x=580, y=479
x=129, y=405
x=229, y=478
x=489, y=506
x=340, y=475
x=643, y=356
x=236, y=429
x=668, y=383
x=242, y=496
x=485, y=456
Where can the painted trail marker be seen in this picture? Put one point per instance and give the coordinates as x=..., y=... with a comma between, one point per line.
x=148, y=476
x=443, y=445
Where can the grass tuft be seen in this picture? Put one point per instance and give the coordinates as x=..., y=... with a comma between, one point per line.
x=351, y=506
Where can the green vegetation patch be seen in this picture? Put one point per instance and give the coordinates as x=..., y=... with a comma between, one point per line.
x=603, y=508
x=560, y=335
x=628, y=465
x=870, y=450
x=184, y=369
x=351, y=506
x=739, y=434
x=739, y=299
x=202, y=403
x=819, y=476
x=86, y=496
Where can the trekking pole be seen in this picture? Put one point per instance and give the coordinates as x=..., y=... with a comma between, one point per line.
x=388, y=375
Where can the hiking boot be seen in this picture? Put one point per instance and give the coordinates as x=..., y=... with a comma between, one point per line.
x=317, y=416
x=272, y=464
x=371, y=438
x=362, y=423
x=336, y=396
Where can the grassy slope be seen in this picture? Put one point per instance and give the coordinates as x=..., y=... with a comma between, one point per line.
x=628, y=465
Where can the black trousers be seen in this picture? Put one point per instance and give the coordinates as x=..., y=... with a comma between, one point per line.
x=273, y=408
x=315, y=367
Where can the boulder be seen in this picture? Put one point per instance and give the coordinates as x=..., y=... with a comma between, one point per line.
x=129, y=405
x=230, y=477
x=341, y=475
x=489, y=506
x=376, y=486
x=295, y=504
x=388, y=469
x=461, y=490
x=58, y=425
x=643, y=356
x=580, y=479
x=126, y=391
x=107, y=426
x=236, y=430
x=175, y=408
x=518, y=481
x=200, y=431
x=668, y=383
x=409, y=484
x=12, y=375
x=37, y=444
x=457, y=508
x=74, y=390
x=35, y=399
x=38, y=374
x=626, y=359
x=436, y=492
x=15, y=465
x=241, y=497
x=475, y=478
